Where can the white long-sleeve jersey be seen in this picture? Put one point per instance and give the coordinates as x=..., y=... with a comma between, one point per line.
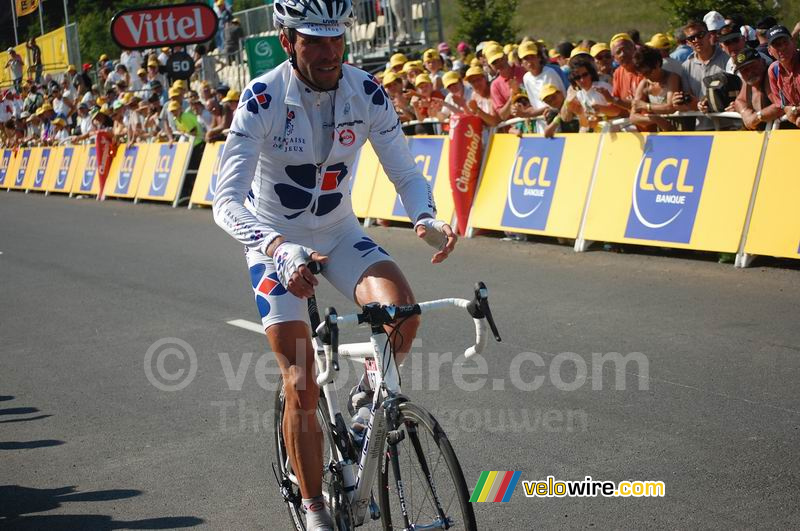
x=269, y=181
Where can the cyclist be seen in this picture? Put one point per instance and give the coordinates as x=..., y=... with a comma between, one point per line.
x=283, y=191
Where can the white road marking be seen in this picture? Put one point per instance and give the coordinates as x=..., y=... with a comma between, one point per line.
x=258, y=328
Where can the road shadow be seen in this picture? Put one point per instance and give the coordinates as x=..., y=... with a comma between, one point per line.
x=18, y=410
x=29, y=445
x=26, y=419
x=17, y=503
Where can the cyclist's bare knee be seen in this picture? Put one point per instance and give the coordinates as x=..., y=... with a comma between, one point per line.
x=291, y=342
x=301, y=388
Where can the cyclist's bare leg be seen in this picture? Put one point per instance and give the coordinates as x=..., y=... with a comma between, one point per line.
x=383, y=282
x=291, y=342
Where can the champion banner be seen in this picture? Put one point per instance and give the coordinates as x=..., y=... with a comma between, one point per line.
x=26, y=7
x=105, y=153
x=465, y=163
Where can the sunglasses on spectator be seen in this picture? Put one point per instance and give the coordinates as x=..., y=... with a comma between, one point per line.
x=576, y=76
x=697, y=36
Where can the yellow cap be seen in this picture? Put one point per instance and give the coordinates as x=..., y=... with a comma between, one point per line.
x=104, y=57
x=179, y=83
x=174, y=106
x=619, y=37
x=527, y=48
x=205, y=84
x=232, y=95
x=397, y=59
x=475, y=62
x=473, y=71
x=100, y=100
x=413, y=65
x=493, y=53
x=71, y=68
x=389, y=77
x=430, y=54
x=518, y=96
x=578, y=50
x=552, y=53
x=59, y=121
x=450, y=78
x=165, y=49
x=141, y=71
x=174, y=92
x=659, y=41
x=508, y=48
x=126, y=98
x=599, y=47
x=46, y=107
x=152, y=62
x=547, y=90
x=422, y=78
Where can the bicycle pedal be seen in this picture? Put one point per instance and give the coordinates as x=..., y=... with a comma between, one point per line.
x=395, y=436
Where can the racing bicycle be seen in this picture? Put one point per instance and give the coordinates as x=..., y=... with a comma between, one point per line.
x=420, y=482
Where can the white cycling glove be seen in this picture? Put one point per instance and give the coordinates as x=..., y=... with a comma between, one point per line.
x=434, y=232
x=288, y=258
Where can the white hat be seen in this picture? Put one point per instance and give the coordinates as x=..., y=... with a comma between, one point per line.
x=714, y=20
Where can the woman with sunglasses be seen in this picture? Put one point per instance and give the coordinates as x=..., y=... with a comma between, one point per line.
x=588, y=102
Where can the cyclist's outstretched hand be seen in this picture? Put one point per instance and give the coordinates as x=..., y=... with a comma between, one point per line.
x=438, y=235
x=290, y=263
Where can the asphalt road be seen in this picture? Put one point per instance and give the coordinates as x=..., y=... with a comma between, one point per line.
x=707, y=402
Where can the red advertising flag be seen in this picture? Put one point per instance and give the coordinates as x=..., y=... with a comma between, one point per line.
x=466, y=152
x=104, y=148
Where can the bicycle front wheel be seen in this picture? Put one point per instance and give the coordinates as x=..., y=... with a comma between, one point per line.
x=434, y=492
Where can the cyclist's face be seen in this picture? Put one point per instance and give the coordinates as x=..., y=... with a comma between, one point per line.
x=319, y=59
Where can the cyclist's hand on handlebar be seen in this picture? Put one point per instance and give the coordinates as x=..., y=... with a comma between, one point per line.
x=290, y=263
x=438, y=235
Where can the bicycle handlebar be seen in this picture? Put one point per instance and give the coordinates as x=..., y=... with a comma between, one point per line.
x=379, y=314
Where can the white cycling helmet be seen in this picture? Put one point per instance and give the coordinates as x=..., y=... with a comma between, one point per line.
x=321, y=18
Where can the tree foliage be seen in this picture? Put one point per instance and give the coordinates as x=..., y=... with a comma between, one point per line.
x=681, y=11
x=483, y=20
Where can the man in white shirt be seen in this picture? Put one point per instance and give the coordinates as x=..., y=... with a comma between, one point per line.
x=535, y=78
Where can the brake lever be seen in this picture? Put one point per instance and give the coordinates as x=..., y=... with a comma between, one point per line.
x=479, y=308
x=333, y=329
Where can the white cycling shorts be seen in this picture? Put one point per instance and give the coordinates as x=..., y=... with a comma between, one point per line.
x=350, y=253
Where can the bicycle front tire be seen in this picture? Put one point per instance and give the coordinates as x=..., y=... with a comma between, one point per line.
x=424, y=445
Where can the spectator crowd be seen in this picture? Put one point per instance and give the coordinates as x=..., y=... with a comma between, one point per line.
x=712, y=65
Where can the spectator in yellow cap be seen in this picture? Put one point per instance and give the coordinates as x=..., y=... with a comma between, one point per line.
x=457, y=95
x=427, y=102
x=60, y=135
x=507, y=82
x=411, y=70
x=604, y=61
x=397, y=61
x=556, y=117
x=480, y=104
x=393, y=82
x=662, y=44
x=535, y=78
x=186, y=122
x=625, y=79
x=433, y=64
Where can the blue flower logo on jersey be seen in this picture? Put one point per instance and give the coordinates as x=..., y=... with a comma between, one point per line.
x=373, y=87
x=300, y=197
x=367, y=246
x=256, y=97
x=265, y=286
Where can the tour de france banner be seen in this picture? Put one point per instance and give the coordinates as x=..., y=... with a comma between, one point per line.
x=535, y=185
x=775, y=223
x=125, y=171
x=164, y=172
x=66, y=162
x=464, y=163
x=205, y=185
x=431, y=155
x=85, y=181
x=685, y=190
